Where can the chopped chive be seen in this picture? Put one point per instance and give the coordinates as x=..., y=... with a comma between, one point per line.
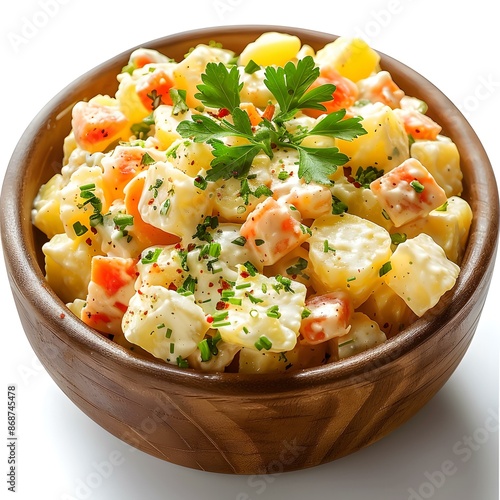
x=79, y=228
x=254, y=300
x=246, y=330
x=165, y=207
x=263, y=343
x=220, y=316
x=283, y=175
x=214, y=249
x=227, y=293
x=253, y=313
x=235, y=301
x=243, y=285
x=305, y=313
x=205, y=352
x=251, y=269
x=240, y=241
x=352, y=278
x=161, y=325
x=251, y=67
x=168, y=333
x=327, y=248
x=221, y=324
x=397, y=238
x=417, y=186
x=259, y=242
x=181, y=362
x=443, y=207
x=385, y=268
x=172, y=348
x=87, y=187
x=273, y=312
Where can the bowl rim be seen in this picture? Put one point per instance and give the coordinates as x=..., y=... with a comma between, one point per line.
x=27, y=278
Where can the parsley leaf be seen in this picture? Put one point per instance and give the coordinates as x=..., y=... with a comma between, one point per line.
x=317, y=164
x=231, y=161
x=289, y=86
x=220, y=88
x=333, y=125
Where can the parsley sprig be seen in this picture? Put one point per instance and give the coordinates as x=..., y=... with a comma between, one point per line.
x=291, y=88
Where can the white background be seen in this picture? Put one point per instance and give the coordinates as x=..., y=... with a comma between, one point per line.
x=61, y=453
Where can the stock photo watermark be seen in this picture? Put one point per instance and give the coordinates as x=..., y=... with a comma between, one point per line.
x=32, y=24
x=484, y=88
x=462, y=451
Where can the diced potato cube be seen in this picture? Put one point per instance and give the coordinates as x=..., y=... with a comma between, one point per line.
x=346, y=253
x=171, y=202
x=45, y=212
x=166, y=124
x=421, y=273
x=448, y=226
x=363, y=335
x=294, y=265
x=262, y=313
x=388, y=309
x=67, y=266
x=408, y=192
x=301, y=356
x=442, y=159
x=272, y=230
x=271, y=48
x=351, y=57
x=165, y=323
x=384, y=146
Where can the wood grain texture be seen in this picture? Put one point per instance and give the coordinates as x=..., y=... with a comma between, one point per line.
x=231, y=423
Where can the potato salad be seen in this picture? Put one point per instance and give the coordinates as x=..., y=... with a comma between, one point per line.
x=257, y=212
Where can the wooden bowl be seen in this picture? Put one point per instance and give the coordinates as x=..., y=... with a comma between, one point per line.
x=232, y=423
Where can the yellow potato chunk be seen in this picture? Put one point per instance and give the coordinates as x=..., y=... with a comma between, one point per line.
x=388, y=309
x=384, y=146
x=301, y=356
x=442, y=159
x=346, y=253
x=271, y=48
x=166, y=124
x=351, y=57
x=448, y=226
x=364, y=334
x=421, y=273
x=67, y=266
x=164, y=323
x=45, y=213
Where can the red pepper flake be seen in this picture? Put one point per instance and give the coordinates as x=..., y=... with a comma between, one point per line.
x=62, y=315
x=244, y=274
x=222, y=112
x=210, y=319
x=89, y=242
x=172, y=287
x=221, y=305
x=151, y=201
x=93, y=230
x=210, y=285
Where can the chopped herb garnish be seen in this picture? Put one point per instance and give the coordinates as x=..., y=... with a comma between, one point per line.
x=251, y=67
x=210, y=222
x=443, y=207
x=181, y=362
x=165, y=207
x=263, y=343
x=147, y=159
x=327, y=248
x=200, y=182
x=178, y=97
x=273, y=312
x=364, y=177
x=385, y=268
x=298, y=267
x=251, y=269
x=151, y=257
x=347, y=342
x=417, y=186
x=253, y=299
x=205, y=353
x=79, y=228
x=397, y=238
x=240, y=241
x=168, y=333
x=290, y=87
x=338, y=207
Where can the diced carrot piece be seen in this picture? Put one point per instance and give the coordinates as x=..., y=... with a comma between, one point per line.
x=96, y=126
x=408, y=192
x=418, y=125
x=252, y=112
x=119, y=169
x=329, y=317
x=152, y=86
x=112, y=273
x=271, y=231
